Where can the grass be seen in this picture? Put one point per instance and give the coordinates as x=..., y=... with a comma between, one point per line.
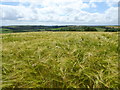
x=60, y=60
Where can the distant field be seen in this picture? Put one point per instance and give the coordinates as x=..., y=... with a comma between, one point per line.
x=60, y=60
x=32, y=28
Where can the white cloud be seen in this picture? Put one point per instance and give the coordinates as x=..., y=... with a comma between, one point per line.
x=57, y=0
x=93, y=5
x=58, y=11
x=112, y=14
x=9, y=12
x=16, y=13
x=104, y=0
x=8, y=0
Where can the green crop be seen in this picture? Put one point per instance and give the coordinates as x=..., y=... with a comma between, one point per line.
x=60, y=60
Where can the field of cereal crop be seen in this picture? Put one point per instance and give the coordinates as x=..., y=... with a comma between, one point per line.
x=60, y=60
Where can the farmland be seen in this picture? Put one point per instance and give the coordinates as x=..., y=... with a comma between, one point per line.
x=17, y=29
x=60, y=60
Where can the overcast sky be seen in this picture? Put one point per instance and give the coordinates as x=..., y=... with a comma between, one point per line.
x=59, y=12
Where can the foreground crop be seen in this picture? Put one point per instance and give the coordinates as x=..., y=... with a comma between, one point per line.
x=60, y=60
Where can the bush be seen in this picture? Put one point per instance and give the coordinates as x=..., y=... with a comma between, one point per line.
x=111, y=30
x=89, y=29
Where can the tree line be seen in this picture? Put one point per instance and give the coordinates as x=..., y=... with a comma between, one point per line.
x=57, y=28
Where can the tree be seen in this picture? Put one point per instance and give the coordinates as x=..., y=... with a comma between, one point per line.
x=90, y=29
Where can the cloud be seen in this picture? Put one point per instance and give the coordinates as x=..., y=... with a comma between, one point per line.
x=112, y=14
x=104, y=0
x=93, y=5
x=9, y=12
x=8, y=0
x=57, y=11
x=16, y=13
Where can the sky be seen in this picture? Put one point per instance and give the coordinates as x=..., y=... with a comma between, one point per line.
x=59, y=12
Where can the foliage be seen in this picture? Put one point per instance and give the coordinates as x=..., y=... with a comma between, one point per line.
x=89, y=29
x=111, y=30
x=16, y=29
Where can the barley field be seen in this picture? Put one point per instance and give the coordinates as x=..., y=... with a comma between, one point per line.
x=60, y=60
